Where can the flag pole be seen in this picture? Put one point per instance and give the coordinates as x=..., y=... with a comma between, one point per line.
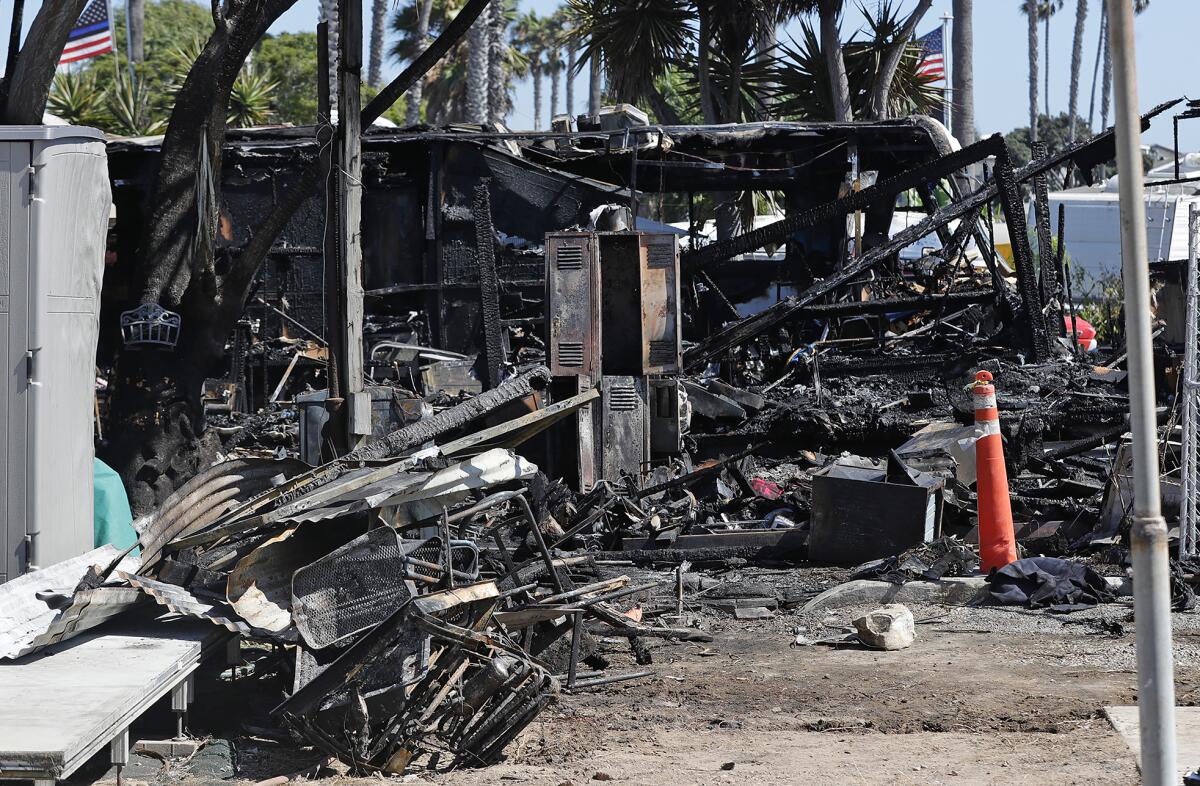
x=112, y=27
x=947, y=89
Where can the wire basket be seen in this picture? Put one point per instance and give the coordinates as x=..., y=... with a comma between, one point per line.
x=150, y=325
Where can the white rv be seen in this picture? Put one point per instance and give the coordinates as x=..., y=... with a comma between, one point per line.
x=1093, y=219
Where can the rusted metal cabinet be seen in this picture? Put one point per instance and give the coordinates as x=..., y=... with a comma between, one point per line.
x=666, y=426
x=625, y=445
x=639, y=303
x=661, y=348
x=573, y=304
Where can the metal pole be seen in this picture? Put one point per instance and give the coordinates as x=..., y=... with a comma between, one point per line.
x=1188, y=389
x=1152, y=598
x=947, y=88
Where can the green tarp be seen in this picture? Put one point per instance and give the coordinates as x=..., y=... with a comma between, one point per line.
x=112, y=521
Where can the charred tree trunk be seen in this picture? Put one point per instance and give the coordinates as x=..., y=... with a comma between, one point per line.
x=157, y=400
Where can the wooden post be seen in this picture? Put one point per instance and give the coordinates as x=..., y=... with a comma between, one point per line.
x=348, y=184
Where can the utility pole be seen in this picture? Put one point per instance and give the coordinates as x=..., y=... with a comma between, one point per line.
x=1151, y=568
x=348, y=186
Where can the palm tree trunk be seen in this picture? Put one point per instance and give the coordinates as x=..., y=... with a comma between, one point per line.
x=1046, y=76
x=831, y=44
x=378, y=22
x=708, y=109
x=137, y=26
x=555, y=81
x=594, y=97
x=329, y=14
x=881, y=91
x=764, y=50
x=477, y=71
x=1031, y=13
x=1096, y=66
x=1081, y=10
x=571, y=54
x=963, y=50
x=412, y=112
x=1106, y=86
x=497, y=88
x=537, y=96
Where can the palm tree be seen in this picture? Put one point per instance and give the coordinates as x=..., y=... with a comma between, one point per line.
x=78, y=98
x=412, y=114
x=378, y=22
x=530, y=40
x=1081, y=10
x=497, y=56
x=594, y=86
x=1032, y=11
x=1106, y=90
x=963, y=49
x=804, y=87
x=443, y=91
x=1101, y=43
x=572, y=49
x=553, y=32
x=329, y=15
x=478, y=42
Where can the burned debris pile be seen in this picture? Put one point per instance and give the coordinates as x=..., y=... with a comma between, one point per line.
x=587, y=413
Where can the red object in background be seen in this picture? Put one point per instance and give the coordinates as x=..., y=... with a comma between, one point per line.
x=1085, y=333
x=768, y=489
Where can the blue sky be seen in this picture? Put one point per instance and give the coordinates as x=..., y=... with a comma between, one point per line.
x=1166, y=41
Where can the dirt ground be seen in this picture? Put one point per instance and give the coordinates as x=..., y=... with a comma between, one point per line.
x=985, y=695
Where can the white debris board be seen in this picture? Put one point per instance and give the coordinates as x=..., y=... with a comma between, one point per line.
x=1187, y=734
x=58, y=707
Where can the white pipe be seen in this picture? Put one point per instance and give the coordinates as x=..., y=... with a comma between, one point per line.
x=1152, y=597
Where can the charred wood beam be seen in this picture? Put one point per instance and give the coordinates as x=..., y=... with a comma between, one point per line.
x=430, y=428
x=779, y=231
x=696, y=476
x=1085, y=153
x=489, y=287
x=739, y=332
x=887, y=305
x=1041, y=213
x=887, y=364
x=1033, y=325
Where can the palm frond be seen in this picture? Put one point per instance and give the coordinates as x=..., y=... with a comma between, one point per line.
x=77, y=97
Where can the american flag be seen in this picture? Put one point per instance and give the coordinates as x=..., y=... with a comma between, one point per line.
x=933, y=53
x=92, y=35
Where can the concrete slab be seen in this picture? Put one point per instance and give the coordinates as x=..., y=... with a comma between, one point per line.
x=1187, y=734
x=60, y=706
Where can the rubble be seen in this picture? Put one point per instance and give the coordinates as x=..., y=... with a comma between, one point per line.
x=597, y=443
x=889, y=627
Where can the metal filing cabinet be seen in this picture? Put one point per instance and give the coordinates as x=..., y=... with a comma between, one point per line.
x=54, y=209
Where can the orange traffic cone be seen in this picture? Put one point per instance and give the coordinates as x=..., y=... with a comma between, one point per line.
x=997, y=543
